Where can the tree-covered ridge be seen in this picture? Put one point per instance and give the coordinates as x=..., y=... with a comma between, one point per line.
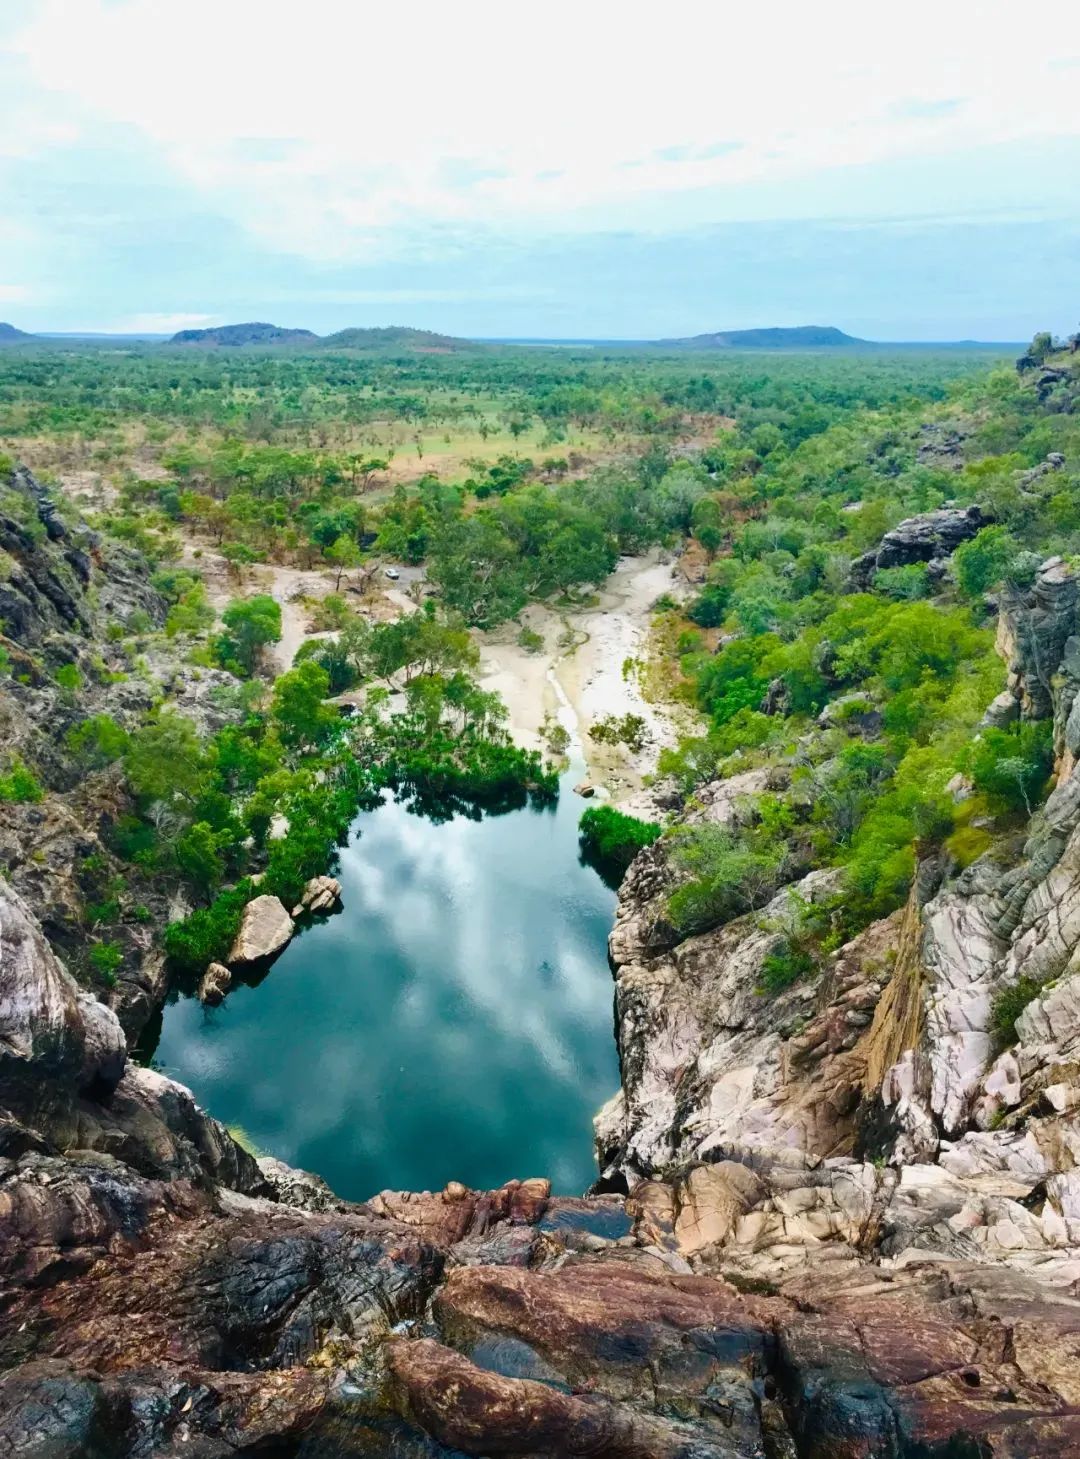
x=843, y=637
x=235, y=335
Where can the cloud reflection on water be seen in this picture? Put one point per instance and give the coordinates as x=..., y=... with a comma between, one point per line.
x=454, y=1022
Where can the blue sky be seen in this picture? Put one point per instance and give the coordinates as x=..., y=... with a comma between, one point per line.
x=584, y=169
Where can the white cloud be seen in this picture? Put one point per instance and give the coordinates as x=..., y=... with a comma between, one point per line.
x=161, y=323
x=333, y=130
x=491, y=293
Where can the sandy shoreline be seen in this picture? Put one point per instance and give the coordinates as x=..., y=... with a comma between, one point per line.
x=597, y=677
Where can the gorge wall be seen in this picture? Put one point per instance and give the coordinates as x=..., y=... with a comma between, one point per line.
x=840, y=1221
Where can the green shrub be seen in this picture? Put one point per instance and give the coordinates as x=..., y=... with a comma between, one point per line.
x=967, y=844
x=903, y=583
x=610, y=839
x=628, y=729
x=20, y=786
x=783, y=968
x=134, y=840
x=98, y=741
x=1011, y=767
x=69, y=678
x=710, y=607
x=991, y=557
x=98, y=912
x=208, y=933
x=198, y=856
x=105, y=959
x=727, y=876
x=1008, y=1006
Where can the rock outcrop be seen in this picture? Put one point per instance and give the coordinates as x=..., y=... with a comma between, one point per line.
x=321, y=894
x=64, y=591
x=929, y=537
x=56, y=1041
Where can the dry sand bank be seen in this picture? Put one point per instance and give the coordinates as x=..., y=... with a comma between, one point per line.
x=590, y=656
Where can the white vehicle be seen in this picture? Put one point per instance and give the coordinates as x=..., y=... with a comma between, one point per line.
x=392, y=573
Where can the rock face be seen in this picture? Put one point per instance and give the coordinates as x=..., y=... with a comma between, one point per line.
x=63, y=588
x=929, y=537
x=265, y=929
x=55, y=1039
x=1036, y=636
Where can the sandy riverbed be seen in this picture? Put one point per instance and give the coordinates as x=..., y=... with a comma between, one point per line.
x=591, y=654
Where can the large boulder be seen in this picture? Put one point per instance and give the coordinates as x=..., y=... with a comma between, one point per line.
x=265, y=929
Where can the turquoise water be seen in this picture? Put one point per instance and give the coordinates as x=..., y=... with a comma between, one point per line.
x=453, y=1022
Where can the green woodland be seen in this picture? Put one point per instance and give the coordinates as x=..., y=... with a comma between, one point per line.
x=775, y=471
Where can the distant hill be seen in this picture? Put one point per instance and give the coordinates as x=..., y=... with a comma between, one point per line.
x=802, y=337
x=394, y=337
x=244, y=334
x=10, y=335
x=371, y=341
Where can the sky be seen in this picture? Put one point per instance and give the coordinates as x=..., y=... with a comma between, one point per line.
x=578, y=169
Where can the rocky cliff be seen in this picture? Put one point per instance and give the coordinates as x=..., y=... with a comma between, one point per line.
x=71, y=604
x=163, y=1293
x=841, y=1220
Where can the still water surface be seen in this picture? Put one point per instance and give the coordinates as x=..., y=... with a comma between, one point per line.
x=453, y=1022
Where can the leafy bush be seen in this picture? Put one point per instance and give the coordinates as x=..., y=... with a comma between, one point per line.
x=69, y=678
x=98, y=912
x=710, y=607
x=734, y=679
x=967, y=844
x=134, y=840
x=198, y=856
x=727, y=876
x=208, y=933
x=20, y=785
x=1011, y=767
x=1008, y=1005
x=903, y=583
x=992, y=556
x=610, y=839
x=105, y=959
x=783, y=968
x=627, y=729
x=250, y=625
x=98, y=741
